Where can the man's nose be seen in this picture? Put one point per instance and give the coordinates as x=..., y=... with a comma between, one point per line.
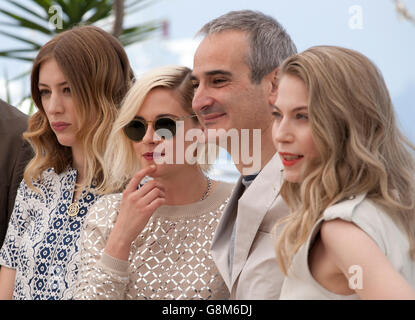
x=202, y=99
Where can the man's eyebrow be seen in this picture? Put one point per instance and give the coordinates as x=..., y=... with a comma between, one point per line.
x=212, y=73
x=216, y=72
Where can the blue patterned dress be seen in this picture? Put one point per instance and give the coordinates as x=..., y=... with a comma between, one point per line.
x=42, y=240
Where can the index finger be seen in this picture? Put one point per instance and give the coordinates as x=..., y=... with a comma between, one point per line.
x=135, y=180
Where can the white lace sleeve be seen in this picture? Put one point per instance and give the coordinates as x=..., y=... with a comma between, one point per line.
x=100, y=276
x=19, y=222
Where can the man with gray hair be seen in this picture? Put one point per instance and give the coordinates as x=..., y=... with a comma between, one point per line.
x=234, y=77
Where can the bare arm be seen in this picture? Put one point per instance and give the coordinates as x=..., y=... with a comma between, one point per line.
x=7, y=277
x=349, y=246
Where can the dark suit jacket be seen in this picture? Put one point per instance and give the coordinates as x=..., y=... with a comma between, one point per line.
x=14, y=155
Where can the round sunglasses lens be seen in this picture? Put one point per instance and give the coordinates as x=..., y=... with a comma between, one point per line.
x=166, y=126
x=135, y=130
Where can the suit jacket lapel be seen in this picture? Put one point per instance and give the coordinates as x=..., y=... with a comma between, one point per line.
x=252, y=208
x=221, y=239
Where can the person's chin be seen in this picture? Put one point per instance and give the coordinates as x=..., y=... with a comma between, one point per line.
x=65, y=141
x=147, y=164
x=291, y=175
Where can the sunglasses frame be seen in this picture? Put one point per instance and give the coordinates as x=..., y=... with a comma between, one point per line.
x=153, y=123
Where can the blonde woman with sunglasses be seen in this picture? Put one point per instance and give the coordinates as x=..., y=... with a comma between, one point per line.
x=152, y=240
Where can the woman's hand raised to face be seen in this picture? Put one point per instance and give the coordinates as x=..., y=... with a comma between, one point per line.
x=137, y=207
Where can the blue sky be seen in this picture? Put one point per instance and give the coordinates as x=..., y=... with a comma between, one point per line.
x=369, y=26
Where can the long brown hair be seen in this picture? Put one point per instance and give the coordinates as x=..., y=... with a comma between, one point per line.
x=98, y=72
x=361, y=147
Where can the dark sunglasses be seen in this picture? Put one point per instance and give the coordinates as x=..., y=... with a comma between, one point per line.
x=137, y=128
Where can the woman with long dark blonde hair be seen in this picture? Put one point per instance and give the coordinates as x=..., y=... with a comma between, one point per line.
x=349, y=180
x=77, y=83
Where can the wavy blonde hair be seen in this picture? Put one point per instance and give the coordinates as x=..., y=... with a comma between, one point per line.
x=98, y=72
x=361, y=148
x=120, y=160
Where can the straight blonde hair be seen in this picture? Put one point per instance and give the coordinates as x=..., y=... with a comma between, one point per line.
x=98, y=72
x=120, y=160
x=361, y=148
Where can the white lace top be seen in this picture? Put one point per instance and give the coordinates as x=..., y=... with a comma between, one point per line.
x=42, y=240
x=170, y=259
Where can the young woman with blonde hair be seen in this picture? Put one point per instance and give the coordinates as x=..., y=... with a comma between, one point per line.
x=152, y=241
x=78, y=81
x=349, y=180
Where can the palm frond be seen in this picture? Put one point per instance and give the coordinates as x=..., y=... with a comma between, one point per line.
x=36, y=16
x=139, y=33
x=26, y=9
x=35, y=45
x=22, y=22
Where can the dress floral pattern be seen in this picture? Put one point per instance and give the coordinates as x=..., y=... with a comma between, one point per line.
x=42, y=240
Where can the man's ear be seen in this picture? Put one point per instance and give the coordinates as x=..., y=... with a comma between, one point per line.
x=273, y=80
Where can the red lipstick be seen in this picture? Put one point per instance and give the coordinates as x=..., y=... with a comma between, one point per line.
x=290, y=159
x=149, y=156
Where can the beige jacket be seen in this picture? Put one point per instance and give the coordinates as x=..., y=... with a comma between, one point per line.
x=375, y=222
x=255, y=273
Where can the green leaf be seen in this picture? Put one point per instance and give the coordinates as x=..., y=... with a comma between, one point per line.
x=103, y=11
x=65, y=8
x=138, y=33
x=23, y=22
x=16, y=51
x=34, y=13
x=22, y=75
x=32, y=107
x=10, y=55
x=138, y=5
x=28, y=41
x=74, y=12
x=45, y=4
